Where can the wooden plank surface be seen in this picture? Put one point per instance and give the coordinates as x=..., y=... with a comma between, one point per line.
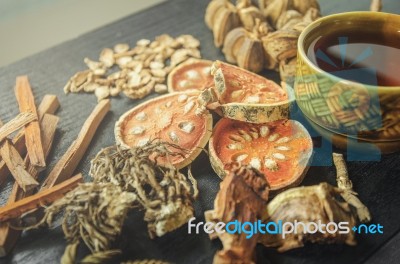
x=376, y=182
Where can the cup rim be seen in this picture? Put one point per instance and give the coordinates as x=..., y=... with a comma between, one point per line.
x=316, y=23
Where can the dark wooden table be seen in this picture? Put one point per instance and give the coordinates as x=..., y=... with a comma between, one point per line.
x=376, y=182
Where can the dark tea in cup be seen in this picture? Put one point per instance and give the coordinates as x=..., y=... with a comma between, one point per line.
x=374, y=55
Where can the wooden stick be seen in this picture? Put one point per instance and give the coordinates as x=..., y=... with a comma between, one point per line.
x=42, y=198
x=48, y=105
x=16, y=123
x=33, y=141
x=376, y=5
x=69, y=161
x=345, y=184
x=8, y=235
x=16, y=165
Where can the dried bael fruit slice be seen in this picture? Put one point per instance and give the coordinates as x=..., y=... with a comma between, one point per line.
x=193, y=74
x=171, y=118
x=281, y=150
x=245, y=96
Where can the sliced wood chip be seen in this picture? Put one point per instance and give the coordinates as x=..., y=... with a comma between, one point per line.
x=49, y=105
x=42, y=198
x=69, y=161
x=33, y=140
x=8, y=235
x=16, y=165
x=15, y=124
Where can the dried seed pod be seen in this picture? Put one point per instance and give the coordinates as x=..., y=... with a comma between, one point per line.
x=251, y=55
x=162, y=191
x=225, y=20
x=281, y=45
x=273, y=9
x=213, y=9
x=242, y=196
x=249, y=14
x=288, y=19
x=306, y=204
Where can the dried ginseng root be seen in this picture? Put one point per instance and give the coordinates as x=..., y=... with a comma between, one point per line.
x=94, y=213
x=162, y=191
x=242, y=95
x=307, y=205
x=243, y=196
x=194, y=74
x=142, y=69
x=280, y=150
x=171, y=118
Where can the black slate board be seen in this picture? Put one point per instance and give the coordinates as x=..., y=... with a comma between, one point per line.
x=376, y=182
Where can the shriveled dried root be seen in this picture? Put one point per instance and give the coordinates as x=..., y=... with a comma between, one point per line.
x=162, y=191
x=345, y=184
x=243, y=196
x=94, y=213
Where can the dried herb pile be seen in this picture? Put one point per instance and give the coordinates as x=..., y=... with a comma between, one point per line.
x=141, y=69
x=162, y=191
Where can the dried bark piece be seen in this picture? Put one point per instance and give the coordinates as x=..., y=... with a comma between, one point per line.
x=16, y=165
x=33, y=140
x=345, y=184
x=49, y=105
x=243, y=196
x=42, y=198
x=8, y=235
x=16, y=123
x=69, y=161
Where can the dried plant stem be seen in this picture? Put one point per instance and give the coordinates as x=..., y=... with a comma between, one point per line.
x=8, y=235
x=49, y=105
x=345, y=184
x=16, y=165
x=67, y=164
x=33, y=140
x=376, y=5
x=42, y=198
x=16, y=123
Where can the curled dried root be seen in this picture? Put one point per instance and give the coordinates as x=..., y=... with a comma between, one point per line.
x=94, y=213
x=161, y=190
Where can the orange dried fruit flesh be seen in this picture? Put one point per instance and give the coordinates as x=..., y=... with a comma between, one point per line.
x=170, y=118
x=249, y=97
x=281, y=150
x=192, y=74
